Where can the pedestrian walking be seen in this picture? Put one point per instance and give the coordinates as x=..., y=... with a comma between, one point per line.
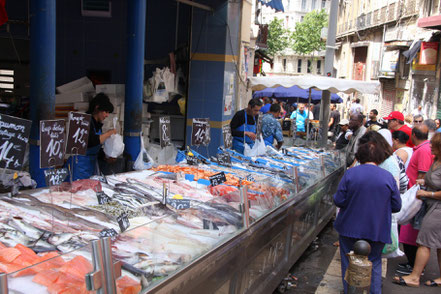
x=399, y=140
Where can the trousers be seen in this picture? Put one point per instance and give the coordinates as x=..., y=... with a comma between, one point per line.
x=346, y=245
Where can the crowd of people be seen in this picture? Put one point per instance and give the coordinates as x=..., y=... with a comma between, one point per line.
x=385, y=158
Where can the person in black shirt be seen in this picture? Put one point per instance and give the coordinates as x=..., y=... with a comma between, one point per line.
x=373, y=119
x=84, y=166
x=344, y=136
x=334, y=120
x=244, y=125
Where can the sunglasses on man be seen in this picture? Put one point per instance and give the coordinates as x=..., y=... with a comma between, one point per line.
x=418, y=121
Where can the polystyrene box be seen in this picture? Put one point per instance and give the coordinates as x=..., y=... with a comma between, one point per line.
x=81, y=85
x=111, y=89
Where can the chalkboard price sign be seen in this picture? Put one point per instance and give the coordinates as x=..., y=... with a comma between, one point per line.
x=78, y=134
x=52, y=142
x=123, y=221
x=200, y=134
x=14, y=136
x=55, y=177
x=191, y=160
x=250, y=178
x=224, y=159
x=102, y=198
x=218, y=179
x=164, y=131
x=228, y=138
x=259, y=125
x=179, y=203
x=108, y=233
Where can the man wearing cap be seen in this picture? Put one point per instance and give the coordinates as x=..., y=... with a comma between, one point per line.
x=344, y=136
x=395, y=122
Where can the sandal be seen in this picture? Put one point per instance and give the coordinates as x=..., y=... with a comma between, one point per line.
x=400, y=281
x=432, y=283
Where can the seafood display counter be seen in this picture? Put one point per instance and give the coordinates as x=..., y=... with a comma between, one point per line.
x=226, y=224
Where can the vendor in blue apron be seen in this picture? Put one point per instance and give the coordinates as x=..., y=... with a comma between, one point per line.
x=85, y=166
x=244, y=125
x=271, y=127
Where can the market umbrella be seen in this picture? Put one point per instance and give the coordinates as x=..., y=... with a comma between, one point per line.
x=295, y=92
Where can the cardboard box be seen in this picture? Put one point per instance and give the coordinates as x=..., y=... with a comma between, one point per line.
x=72, y=97
x=81, y=85
x=111, y=89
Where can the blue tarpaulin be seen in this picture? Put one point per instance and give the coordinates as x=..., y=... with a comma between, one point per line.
x=275, y=4
x=295, y=92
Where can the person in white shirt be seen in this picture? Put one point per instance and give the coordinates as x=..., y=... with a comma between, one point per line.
x=418, y=111
x=356, y=107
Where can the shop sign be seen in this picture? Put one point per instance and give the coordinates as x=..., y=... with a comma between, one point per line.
x=164, y=131
x=52, y=142
x=428, y=53
x=78, y=133
x=390, y=62
x=14, y=137
x=200, y=134
x=218, y=179
x=228, y=138
x=55, y=177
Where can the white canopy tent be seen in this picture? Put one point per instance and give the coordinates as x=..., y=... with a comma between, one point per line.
x=333, y=85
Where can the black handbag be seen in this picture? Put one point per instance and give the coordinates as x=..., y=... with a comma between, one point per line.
x=418, y=218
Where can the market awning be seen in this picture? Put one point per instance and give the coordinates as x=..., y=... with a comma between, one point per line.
x=275, y=4
x=431, y=22
x=295, y=92
x=318, y=82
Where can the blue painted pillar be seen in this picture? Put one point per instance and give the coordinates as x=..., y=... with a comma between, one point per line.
x=136, y=13
x=42, y=76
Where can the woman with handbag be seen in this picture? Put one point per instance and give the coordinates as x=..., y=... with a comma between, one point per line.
x=429, y=235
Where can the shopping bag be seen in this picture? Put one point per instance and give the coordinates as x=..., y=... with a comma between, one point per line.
x=259, y=148
x=114, y=146
x=393, y=250
x=410, y=205
x=143, y=161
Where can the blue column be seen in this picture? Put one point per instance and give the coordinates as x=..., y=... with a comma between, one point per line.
x=42, y=76
x=136, y=13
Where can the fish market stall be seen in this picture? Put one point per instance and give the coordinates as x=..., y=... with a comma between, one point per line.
x=224, y=224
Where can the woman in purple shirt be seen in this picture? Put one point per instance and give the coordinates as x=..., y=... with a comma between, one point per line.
x=367, y=195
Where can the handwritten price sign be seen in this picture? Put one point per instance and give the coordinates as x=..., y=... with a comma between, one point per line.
x=228, y=138
x=164, y=131
x=78, y=134
x=52, y=142
x=200, y=134
x=14, y=136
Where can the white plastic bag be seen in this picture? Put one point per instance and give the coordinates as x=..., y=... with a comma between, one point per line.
x=393, y=250
x=259, y=148
x=114, y=146
x=410, y=205
x=143, y=161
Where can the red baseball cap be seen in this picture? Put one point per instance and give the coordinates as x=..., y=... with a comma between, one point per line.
x=395, y=115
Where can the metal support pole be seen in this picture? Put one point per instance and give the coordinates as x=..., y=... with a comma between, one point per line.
x=245, y=205
x=109, y=266
x=329, y=68
x=309, y=112
x=42, y=77
x=4, y=284
x=359, y=271
x=96, y=280
x=136, y=14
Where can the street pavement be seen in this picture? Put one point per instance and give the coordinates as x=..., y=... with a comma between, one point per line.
x=318, y=270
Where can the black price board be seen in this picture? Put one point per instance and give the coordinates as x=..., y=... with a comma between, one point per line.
x=191, y=160
x=55, y=177
x=224, y=159
x=78, y=134
x=102, y=198
x=164, y=131
x=259, y=125
x=179, y=203
x=14, y=136
x=200, y=134
x=52, y=142
x=108, y=233
x=123, y=221
x=250, y=178
x=217, y=179
x=228, y=138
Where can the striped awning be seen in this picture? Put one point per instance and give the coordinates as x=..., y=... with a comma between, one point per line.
x=275, y=4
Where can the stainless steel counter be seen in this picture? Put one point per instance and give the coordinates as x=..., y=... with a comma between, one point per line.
x=256, y=260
